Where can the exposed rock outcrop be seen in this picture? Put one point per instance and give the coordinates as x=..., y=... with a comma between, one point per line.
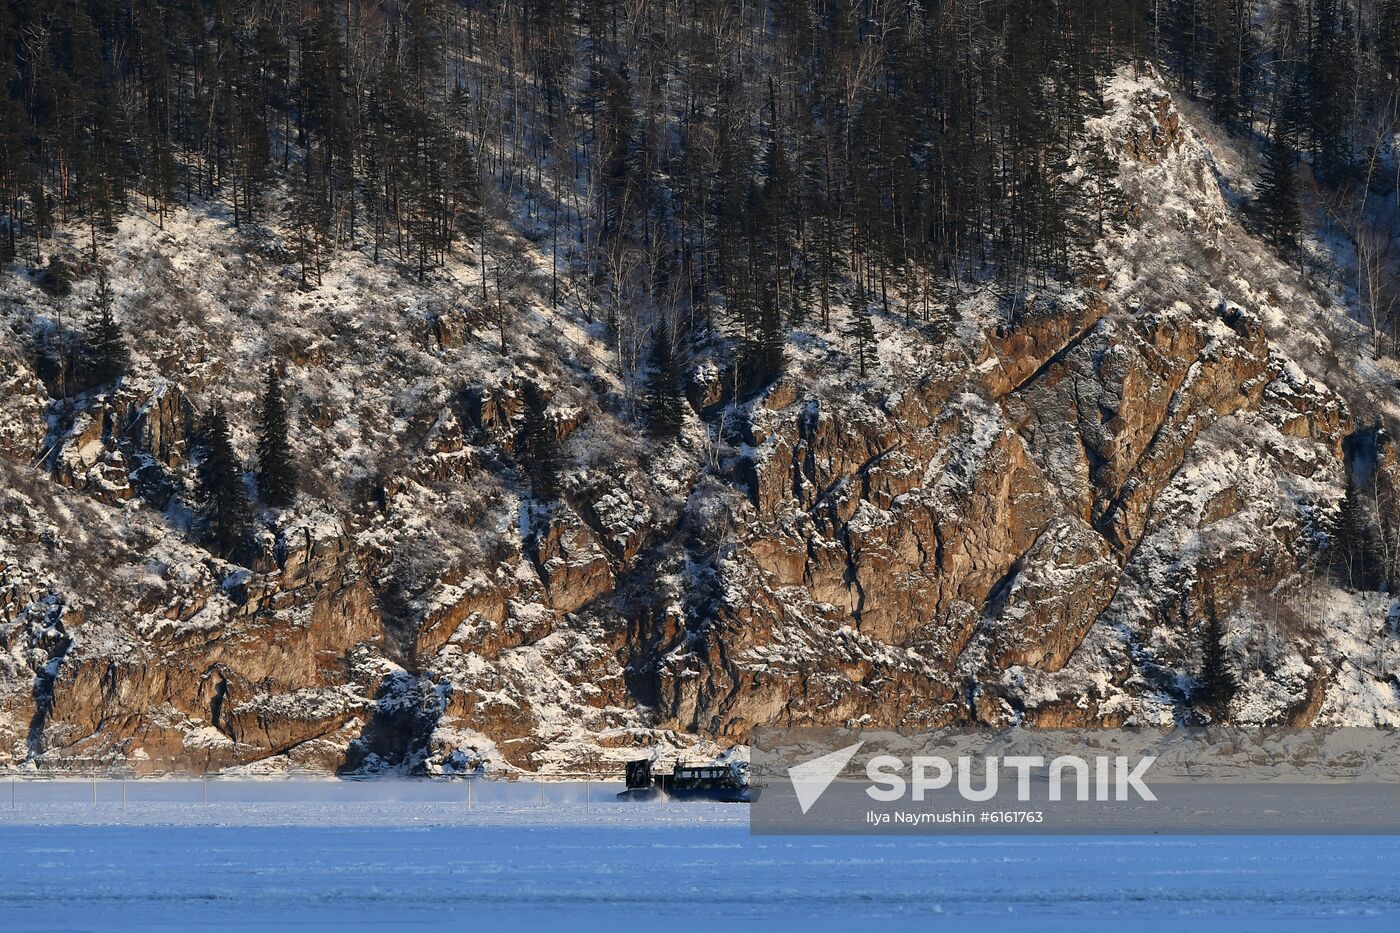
x=1021, y=520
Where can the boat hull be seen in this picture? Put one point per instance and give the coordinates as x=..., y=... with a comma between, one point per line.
x=686, y=795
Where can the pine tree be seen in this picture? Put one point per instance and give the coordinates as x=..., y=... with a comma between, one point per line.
x=309, y=214
x=664, y=404
x=464, y=178
x=219, y=491
x=13, y=136
x=1217, y=684
x=539, y=446
x=277, y=469
x=104, y=351
x=1278, y=192
x=861, y=330
x=1103, y=196
x=1185, y=34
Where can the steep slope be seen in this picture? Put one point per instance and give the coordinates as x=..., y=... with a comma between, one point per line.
x=1021, y=515
x=1032, y=528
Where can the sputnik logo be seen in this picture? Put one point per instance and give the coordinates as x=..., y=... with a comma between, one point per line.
x=811, y=778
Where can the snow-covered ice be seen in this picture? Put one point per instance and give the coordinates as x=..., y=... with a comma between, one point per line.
x=355, y=858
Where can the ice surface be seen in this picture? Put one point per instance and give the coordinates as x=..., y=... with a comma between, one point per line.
x=353, y=859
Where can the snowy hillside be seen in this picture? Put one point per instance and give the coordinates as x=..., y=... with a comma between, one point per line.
x=1028, y=506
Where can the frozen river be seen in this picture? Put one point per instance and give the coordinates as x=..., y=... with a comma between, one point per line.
x=511, y=864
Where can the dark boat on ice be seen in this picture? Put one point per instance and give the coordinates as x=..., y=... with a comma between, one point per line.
x=704, y=782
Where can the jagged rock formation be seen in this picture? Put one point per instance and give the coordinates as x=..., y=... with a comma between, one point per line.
x=1021, y=524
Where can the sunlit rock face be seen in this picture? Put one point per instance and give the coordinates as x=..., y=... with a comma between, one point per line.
x=1023, y=519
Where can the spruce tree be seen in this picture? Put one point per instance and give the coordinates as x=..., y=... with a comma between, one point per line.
x=664, y=404
x=1329, y=80
x=223, y=502
x=1353, y=541
x=861, y=330
x=277, y=470
x=764, y=354
x=539, y=446
x=104, y=351
x=1217, y=682
x=1278, y=192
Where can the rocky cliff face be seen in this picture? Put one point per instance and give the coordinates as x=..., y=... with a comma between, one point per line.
x=1021, y=519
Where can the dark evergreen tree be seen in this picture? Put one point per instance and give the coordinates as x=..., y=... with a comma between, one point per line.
x=464, y=174
x=778, y=220
x=277, y=469
x=539, y=445
x=162, y=179
x=763, y=354
x=1216, y=684
x=1104, y=199
x=309, y=216
x=665, y=406
x=620, y=171
x=1186, y=36
x=861, y=332
x=222, y=499
x=1330, y=80
x=1352, y=541
x=323, y=95
x=1388, y=40
x=1278, y=191
x=105, y=356
x=1232, y=60
x=14, y=133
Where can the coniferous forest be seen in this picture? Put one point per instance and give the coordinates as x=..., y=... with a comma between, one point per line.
x=724, y=164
